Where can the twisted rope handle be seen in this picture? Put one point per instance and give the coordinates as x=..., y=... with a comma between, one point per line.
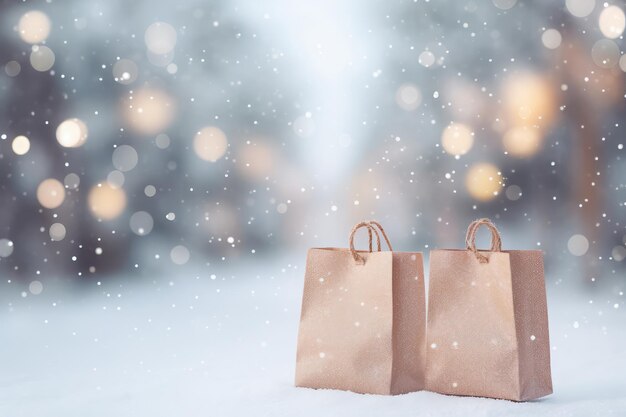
x=358, y=258
x=369, y=237
x=471, y=231
x=374, y=223
x=470, y=239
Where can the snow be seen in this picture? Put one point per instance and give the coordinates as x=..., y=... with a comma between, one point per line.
x=192, y=344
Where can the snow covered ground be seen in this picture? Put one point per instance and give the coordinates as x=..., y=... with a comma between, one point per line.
x=190, y=345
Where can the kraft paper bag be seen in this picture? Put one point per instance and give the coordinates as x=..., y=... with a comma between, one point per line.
x=362, y=326
x=487, y=325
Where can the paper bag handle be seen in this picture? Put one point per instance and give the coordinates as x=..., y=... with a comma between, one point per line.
x=355, y=254
x=370, y=229
x=470, y=239
x=374, y=223
x=371, y=226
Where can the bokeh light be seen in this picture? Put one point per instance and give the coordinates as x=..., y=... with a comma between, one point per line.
x=20, y=145
x=408, y=97
x=12, y=68
x=426, y=59
x=141, y=223
x=6, y=247
x=72, y=133
x=551, y=38
x=612, y=22
x=35, y=287
x=162, y=141
x=457, y=139
x=125, y=71
x=504, y=4
x=210, y=143
x=618, y=253
x=522, y=141
x=605, y=53
x=116, y=179
x=529, y=99
x=34, y=27
x=622, y=63
x=71, y=181
x=149, y=110
x=580, y=8
x=483, y=181
x=281, y=208
x=578, y=245
x=513, y=192
x=150, y=190
x=57, y=232
x=41, y=58
x=179, y=255
x=125, y=158
x=106, y=202
x=160, y=38
x=50, y=193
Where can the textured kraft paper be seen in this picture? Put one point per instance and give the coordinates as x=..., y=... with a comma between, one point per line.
x=488, y=325
x=362, y=326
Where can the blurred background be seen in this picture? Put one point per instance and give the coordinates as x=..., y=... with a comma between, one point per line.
x=143, y=136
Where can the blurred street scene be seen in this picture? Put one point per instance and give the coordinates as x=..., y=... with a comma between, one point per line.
x=142, y=135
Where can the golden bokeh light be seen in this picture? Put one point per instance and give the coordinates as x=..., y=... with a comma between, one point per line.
x=50, y=193
x=105, y=201
x=457, y=139
x=72, y=133
x=34, y=27
x=483, y=181
x=20, y=145
x=529, y=99
x=210, y=143
x=149, y=110
x=522, y=141
x=612, y=22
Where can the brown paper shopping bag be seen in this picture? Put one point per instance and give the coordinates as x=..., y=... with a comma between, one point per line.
x=487, y=321
x=362, y=326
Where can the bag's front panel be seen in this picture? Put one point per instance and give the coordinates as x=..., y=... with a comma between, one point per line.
x=471, y=339
x=344, y=340
x=531, y=319
x=409, y=323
